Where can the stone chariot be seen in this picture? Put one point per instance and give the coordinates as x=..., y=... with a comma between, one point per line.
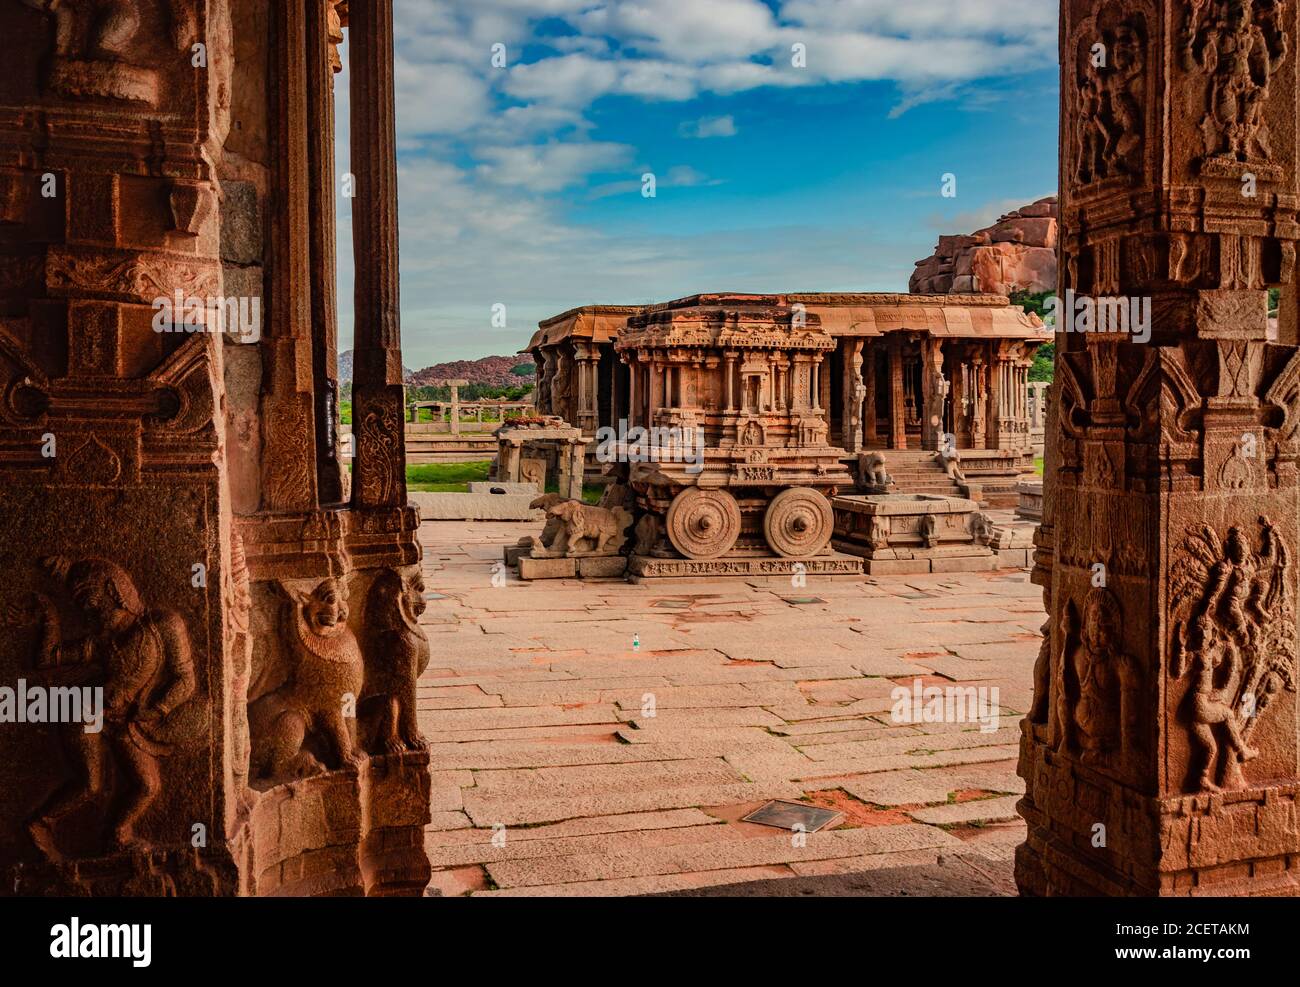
x=727, y=449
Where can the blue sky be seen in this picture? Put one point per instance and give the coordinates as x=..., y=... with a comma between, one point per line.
x=521, y=184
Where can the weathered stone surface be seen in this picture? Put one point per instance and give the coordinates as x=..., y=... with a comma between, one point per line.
x=1017, y=253
x=697, y=725
x=474, y=506
x=962, y=813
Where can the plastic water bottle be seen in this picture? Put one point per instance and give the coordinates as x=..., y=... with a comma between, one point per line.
x=636, y=642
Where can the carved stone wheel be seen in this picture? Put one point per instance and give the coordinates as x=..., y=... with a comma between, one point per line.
x=798, y=522
x=703, y=524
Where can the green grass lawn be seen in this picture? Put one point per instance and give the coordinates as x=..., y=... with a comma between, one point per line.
x=456, y=478
x=446, y=477
x=1038, y=465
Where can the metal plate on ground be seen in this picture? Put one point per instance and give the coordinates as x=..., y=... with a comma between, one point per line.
x=673, y=604
x=788, y=815
x=802, y=601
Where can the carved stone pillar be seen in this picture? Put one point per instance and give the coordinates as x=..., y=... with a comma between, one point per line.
x=633, y=390
x=289, y=435
x=1160, y=756
x=324, y=30
x=542, y=392
x=869, y=423
x=932, y=392
x=897, y=396
x=854, y=391
x=656, y=371
x=995, y=371
x=380, y=465
x=588, y=362
x=115, y=511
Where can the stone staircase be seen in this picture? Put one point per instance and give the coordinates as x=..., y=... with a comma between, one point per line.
x=916, y=471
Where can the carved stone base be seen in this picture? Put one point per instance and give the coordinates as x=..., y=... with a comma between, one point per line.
x=905, y=534
x=641, y=568
x=353, y=832
x=1088, y=836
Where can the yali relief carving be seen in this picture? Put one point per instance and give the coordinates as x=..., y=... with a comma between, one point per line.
x=397, y=654
x=305, y=718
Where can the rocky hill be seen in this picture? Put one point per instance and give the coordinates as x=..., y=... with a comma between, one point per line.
x=494, y=371
x=1017, y=253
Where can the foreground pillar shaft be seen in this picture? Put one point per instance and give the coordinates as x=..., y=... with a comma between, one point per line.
x=377, y=392
x=1160, y=754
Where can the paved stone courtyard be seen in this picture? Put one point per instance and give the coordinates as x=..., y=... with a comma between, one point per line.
x=606, y=738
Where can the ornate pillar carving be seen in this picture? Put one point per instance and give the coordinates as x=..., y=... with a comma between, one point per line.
x=1160, y=755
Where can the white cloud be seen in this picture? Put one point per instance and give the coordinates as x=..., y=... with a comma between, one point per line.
x=438, y=99
x=722, y=126
x=685, y=31
x=550, y=167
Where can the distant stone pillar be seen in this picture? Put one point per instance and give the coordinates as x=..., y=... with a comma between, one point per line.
x=572, y=464
x=633, y=390
x=379, y=470
x=869, y=423
x=851, y=413
x=588, y=362
x=656, y=394
x=509, y=454
x=995, y=369
x=454, y=386
x=730, y=385
x=542, y=392
x=932, y=392
x=897, y=397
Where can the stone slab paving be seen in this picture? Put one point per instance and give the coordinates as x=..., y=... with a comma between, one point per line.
x=608, y=738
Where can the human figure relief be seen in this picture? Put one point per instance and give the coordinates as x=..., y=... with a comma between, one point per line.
x=1102, y=715
x=398, y=655
x=143, y=661
x=325, y=678
x=1109, y=125
x=1234, y=626
x=1240, y=50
